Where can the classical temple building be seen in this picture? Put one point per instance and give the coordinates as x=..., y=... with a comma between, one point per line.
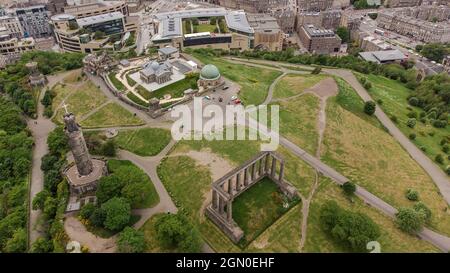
x=84, y=175
x=156, y=72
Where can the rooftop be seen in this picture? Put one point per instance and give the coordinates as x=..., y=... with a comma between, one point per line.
x=263, y=23
x=99, y=18
x=383, y=56
x=314, y=31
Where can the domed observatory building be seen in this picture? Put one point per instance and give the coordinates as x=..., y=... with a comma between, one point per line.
x=210, y=78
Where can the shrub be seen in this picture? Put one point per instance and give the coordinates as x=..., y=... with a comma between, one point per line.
x=349, y=188
x=439, y=159
x=445, y=148
x=412, y=114
x=316, y=70
x=413, y=101
x=447, y=170
x=443, y=142
x=409, y=220
x=440, y=123
x=380, y=101
x=412, y=195
x=369, y=108
x=367, y=85
x=422, y=208
x=98, y=217
x=175, y=230
x=411, y=123
x=412, y=136
x=394, y=119
x=109, y=148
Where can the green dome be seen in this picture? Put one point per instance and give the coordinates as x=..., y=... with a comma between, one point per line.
x=209, y=72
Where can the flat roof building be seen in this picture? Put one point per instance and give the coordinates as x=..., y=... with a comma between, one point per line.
x=383, y=57
x=319, y=40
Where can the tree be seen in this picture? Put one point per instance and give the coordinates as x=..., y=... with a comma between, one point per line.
x=109, y=187
x=18, y=242
x=98, y=217
x=352, y=229
x=412, y=195
x=41, y=245
x=316, y=70
x=439, y=159
x=118, y=213
x=57, y=141
x=48, y=161
x=109, y=148
x=349, y=188
x=87, y=210
x=409, y=220
x=131, y=241
x=50, y=206
x=136, y=193
x=435, y=52
x=369, y=107
x=175, y=231
x=39, y=199
x=344, y=34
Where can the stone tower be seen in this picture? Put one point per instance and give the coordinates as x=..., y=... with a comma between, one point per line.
x=78, y=145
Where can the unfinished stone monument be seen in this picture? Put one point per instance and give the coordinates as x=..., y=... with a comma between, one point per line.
x=237, y=181
x=36, y=78
x=82, y=176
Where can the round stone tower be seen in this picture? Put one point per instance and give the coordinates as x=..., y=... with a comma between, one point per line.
x=78, y=145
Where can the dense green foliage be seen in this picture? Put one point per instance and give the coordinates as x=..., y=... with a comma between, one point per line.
x=176, y=231
x=369, y=107
x=344, y=34
x=349, y=188
x=117, y=213
x=14, y=79
x=131, y=241
x=352, y=229
x=435, y=51
x=433, y=96
x=15, y=163
x=412, y=195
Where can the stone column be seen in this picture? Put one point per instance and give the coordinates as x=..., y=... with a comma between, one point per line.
x=221, y=205
x=238, y=181
x=274, y=167
x=261, y=166
x=280, y=176
x=245, y=177
x=253, y=172
x=266, y=168
x=229, y=211
x=230, y=186
x=214, y=199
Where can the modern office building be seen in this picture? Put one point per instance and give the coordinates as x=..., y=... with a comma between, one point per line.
x=12, y=24
x=34, y=21
x=319, y=40
x=267, y=32
x=227, y=29
x=89, y=34
x=254, y=6
x=81, y=9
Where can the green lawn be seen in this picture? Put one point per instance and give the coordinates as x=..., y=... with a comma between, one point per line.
x=298, y=121
x=117, y=84
x=394, y=96
x=122, y=168
x=144, y=142
x=291, y=85
x=73, y=76
x=254, y=81
x=258, y=208
x=175, y=90
x=61, y=91
x=111, y=115
x=136, y=99
x=82, y=101
x=204, y=28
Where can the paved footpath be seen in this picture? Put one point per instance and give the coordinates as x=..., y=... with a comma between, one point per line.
x=40, y=128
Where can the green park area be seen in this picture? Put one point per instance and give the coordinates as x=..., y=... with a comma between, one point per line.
x=111, y=115
x=254, y=81
x=117, y=84
x=292, y=85
x=143, y=142
x=89, y=105
x=393, y=99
